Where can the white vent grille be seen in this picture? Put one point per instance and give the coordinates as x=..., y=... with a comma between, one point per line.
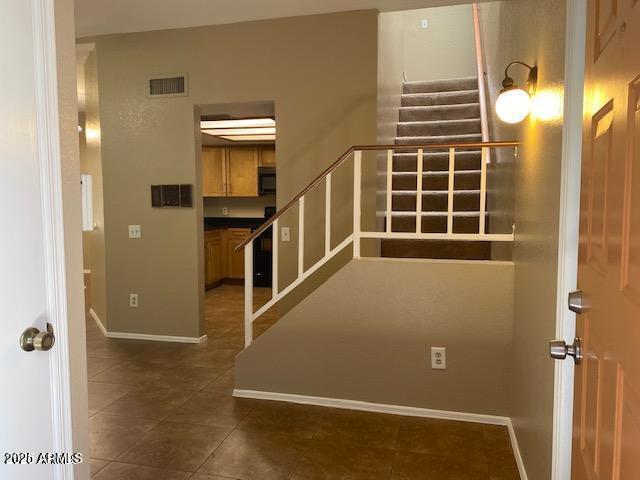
x=168, y=86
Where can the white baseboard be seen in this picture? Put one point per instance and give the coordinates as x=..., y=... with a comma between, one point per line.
x=144, y=336
x=393, y=410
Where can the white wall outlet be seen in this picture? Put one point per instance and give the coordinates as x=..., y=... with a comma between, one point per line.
x=225, y=211
x=133, y=300
x=135, y=231
x=424, y=23
x=438, y=358
x=285, y=234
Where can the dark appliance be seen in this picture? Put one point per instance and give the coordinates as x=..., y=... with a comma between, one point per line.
x=263, y=254
x=266, y=180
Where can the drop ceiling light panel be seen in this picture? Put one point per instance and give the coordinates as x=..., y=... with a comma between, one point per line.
x=238, y=123
x=218, y=132
x=248, y=138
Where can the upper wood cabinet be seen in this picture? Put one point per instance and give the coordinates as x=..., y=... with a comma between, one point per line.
x=213, y=172
x=242, y=172
x=230, y=172
x=267, y=156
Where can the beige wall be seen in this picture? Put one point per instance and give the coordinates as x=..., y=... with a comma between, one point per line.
x=321, y=73
x=373, y=344
x=91, y=163
x=68, y=124
x=533, y=32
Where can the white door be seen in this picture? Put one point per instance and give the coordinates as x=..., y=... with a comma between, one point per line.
x=34, y=386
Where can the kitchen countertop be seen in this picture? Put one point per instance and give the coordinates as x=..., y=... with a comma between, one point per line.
x=212, y=223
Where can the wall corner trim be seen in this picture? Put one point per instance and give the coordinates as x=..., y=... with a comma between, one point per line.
x=392, y=410
x=144, y=336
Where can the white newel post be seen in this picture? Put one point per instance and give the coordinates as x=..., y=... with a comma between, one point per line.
x=357, y=199
x=248, y=294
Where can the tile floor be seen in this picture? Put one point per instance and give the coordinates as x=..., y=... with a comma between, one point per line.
x=162, y=411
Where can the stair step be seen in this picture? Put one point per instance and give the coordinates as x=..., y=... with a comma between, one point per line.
x=433, y=128
x=463, y=222
x=437, y=161
x=440, y=112
x=443, y=98
x=433, y=86
x=436, y=201
x=436, y=249
x=437, y=180
x=466, y=138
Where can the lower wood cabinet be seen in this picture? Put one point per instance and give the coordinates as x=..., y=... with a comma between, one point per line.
x=220, y=257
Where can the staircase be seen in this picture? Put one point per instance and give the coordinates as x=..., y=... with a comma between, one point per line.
x=436, y=112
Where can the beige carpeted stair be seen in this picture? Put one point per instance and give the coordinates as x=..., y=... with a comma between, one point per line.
x=439, y=111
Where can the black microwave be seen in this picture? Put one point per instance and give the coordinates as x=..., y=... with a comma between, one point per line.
x=266, y=180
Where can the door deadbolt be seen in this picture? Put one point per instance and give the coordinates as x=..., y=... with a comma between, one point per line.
x=559, y=350
x=33, y=339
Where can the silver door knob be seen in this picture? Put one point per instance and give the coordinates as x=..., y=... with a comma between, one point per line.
x=576, y=303
x=559, y=350
x=33, y=339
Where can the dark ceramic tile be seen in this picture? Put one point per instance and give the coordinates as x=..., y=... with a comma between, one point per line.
x=416, y=466
x=326, y=461
x=206, y=355
x=96, y=365
x=110, y=435
x=175, y=446
x=148, y=402
x=363, y=428
x=255, y=456
x=122, y=471
x=202, y=476
x=103, y=394
x=284, y=418
x=441, y=438
x=213, y=409
x=225, y=383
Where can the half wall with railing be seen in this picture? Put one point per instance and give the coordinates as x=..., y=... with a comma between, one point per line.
x=425, y=155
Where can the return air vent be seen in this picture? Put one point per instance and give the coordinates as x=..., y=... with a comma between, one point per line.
x=168, y=86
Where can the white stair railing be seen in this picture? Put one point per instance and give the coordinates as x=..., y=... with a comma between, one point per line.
x=357, y=232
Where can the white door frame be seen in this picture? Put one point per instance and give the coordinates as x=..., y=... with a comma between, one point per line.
x=50, y=163
x=576, y=23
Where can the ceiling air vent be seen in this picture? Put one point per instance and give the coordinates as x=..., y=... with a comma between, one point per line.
x=168, y=86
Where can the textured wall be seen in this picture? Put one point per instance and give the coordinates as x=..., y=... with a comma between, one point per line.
x=373, y=344
x=321, y=73
x=533, y=32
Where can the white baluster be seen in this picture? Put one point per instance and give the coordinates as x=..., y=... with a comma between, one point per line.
x=248, y=294
x=419, y=170
x=327, y=215
x=452, y=177
x=301, y=237
x=483, y=189
x=274, y=254
x=389, y=188
x=357, y=199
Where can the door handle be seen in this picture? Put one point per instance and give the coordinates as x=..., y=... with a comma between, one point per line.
x=33, y=339
x=559, y=350
x=576, y=303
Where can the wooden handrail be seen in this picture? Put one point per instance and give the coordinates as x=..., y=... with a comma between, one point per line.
x=482, y=87
x=345, y=155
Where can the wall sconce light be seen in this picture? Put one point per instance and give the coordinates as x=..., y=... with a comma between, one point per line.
x=514, y=103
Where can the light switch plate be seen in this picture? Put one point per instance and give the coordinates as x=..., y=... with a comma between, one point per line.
x=135, y=231
x=285, y=234
x=424, y=23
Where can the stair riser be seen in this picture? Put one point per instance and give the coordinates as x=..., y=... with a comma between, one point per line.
x=436, y=224
x=428, y=129
x=440, y=182
x=436, y=203
x=406, y=163
x=436, y=249
x=439, y=140
x=452, y=98
x=449, y=112
x=441, y=85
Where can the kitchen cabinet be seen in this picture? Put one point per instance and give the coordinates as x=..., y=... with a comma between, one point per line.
x=214, y=256
x=267, y=156
x=230, y=172
x=213, y=172
x=235, y=260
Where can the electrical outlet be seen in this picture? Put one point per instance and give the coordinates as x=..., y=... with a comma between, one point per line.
x=133, y=300
x=225, y=211
x=135, y=231
x=438, y=358
x=424, y=23
x=285, y=234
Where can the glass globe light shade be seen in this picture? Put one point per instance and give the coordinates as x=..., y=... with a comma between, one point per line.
x=513, y=105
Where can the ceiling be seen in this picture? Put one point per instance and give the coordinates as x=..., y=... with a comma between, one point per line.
x=98, y=17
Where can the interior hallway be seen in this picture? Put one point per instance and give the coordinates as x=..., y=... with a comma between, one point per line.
x=165, y=411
